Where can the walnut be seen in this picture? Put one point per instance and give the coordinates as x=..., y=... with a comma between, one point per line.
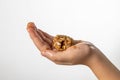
x=62, y=42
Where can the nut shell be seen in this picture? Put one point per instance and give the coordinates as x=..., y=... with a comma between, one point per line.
x=62, y=42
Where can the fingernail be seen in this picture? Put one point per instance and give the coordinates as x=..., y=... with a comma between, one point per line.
x=31, y=25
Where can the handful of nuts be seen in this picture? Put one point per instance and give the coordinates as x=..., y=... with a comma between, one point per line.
x=62, y=42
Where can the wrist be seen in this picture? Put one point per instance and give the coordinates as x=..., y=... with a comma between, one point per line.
x=101, y=66
x=93, y=57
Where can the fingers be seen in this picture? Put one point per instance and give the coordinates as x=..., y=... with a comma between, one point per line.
x=46, y=34
x=31, y=25
x=45, y=38
x=38, y=41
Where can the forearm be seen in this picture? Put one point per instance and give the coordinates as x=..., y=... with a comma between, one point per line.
x=102, y=67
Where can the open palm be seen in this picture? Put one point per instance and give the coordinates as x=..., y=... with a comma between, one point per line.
x=75, y=54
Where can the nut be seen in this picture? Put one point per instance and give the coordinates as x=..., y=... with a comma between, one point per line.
x=62, y=42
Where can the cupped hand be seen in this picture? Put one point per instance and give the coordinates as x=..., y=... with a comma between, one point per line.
x=77, y=54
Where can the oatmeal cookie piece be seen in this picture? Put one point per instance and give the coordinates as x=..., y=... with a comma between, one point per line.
x=62, y=42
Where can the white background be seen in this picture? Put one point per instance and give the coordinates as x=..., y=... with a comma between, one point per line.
x=97, y=21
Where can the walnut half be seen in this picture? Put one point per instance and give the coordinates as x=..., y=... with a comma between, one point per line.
x=62, y=42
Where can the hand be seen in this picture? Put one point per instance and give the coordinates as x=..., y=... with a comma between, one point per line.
x=76, y=54
x=81, y=53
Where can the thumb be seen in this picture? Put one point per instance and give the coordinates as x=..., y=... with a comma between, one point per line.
x=49, y=54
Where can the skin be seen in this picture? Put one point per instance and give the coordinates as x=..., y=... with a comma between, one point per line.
x=82, y=52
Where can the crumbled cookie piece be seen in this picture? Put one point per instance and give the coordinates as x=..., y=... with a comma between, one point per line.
x=62, y=42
